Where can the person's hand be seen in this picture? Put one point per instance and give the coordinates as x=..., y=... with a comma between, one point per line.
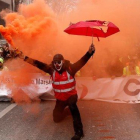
x=19, y=54
x=91, y=48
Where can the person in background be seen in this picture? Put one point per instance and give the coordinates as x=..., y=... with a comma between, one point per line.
x=131, y=69
x=138, y=68
x=1, y=63
x=1, y=52
x=6, y=51
x=2, y=67
x=64, y=85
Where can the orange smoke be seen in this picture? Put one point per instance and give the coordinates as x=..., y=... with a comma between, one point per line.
x=6, y=34
x=125, y=15
x=32, y=29
x=35, y=28
x=37, y=31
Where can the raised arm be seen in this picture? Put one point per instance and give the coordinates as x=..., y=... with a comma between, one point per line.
x=80, y=63
x=42, y=66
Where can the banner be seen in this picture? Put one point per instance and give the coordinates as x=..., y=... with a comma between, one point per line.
x=39, y=85
x=120, y=89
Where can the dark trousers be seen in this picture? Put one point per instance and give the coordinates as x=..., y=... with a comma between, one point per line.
x=59, y=113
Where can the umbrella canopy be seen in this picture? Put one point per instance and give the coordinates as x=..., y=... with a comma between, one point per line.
x=94, y=28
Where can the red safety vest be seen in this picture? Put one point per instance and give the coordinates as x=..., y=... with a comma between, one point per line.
x=63, y=85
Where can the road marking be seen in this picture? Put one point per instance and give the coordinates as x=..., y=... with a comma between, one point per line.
x=6, y=110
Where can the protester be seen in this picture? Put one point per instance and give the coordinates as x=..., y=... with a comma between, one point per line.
x=6, y=51
x=1, y=52
x=2, y=67
x=131, y=69
x=63, y=73
x=138, y=68
x=1, y=63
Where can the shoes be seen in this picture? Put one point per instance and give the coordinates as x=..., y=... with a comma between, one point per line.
x=77, y=137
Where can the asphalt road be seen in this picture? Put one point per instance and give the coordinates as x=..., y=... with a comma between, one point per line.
x=101, y=120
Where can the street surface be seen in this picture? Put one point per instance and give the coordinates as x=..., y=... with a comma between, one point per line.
x=101, y=120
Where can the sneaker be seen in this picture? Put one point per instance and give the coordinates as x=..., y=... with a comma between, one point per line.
x=77, y=137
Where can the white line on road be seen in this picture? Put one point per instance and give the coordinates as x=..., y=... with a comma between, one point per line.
x=6, y=110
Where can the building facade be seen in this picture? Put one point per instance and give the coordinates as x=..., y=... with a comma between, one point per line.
x=4, y=4
x=12, y=5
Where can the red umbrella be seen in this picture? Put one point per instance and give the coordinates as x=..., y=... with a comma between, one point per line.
x=94, y=28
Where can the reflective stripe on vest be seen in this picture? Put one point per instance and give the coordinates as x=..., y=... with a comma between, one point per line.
x=63, y=82
x=68, y=81
x=64, y=90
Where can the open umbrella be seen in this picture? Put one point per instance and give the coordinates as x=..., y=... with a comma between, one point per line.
x=94, y=28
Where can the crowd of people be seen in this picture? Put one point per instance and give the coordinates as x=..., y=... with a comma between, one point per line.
x=116, y=66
